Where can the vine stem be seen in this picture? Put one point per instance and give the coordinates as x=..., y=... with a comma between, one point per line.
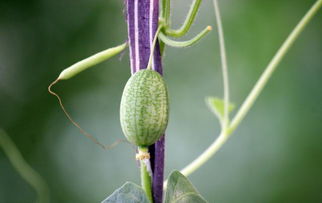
x=223, y=65
x=146, y=181
x=206, y=155
x=251, y=98
x=23, y=168
x=154, y=42
x=146, y=175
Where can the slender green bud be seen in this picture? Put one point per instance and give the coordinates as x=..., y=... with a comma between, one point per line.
x=90, y=61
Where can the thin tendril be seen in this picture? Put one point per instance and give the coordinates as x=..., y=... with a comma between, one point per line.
x=82, y=131
x=223, y=64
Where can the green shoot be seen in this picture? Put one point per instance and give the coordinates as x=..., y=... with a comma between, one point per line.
x=187, y=43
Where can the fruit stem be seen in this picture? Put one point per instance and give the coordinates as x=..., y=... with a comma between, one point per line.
x=146, y=172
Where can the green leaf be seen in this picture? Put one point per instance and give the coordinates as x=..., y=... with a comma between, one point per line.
x=180, y=190
x=128, y=193
x=216, y=105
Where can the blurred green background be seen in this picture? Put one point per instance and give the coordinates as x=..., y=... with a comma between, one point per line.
x=274, y=156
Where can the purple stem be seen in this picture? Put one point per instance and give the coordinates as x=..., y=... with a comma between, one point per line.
x=142, y=20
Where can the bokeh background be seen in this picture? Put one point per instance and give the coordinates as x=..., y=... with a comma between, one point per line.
x=274, y=156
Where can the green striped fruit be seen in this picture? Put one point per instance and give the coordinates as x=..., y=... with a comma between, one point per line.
x=144, y=108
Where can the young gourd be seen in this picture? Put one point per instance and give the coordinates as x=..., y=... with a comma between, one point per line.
x=144, y=110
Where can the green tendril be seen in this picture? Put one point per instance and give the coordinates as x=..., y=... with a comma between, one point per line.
x=187, y=43
x=187, y=23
